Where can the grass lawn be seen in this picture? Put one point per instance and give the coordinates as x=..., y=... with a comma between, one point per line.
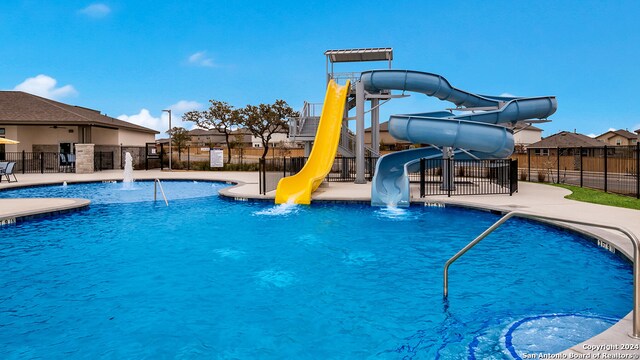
x=600, y=197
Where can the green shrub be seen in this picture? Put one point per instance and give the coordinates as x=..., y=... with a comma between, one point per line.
x=542, y=175
x=523, y=175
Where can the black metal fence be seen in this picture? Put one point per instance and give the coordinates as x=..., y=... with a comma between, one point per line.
x=53, y=162
x=613, y=169
x=342, y=170
x=38, y=162
x=272, y=170
x=103, y=160
x=463, y=177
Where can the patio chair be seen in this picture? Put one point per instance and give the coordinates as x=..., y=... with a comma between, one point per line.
x=8, y=171
x=3, y=165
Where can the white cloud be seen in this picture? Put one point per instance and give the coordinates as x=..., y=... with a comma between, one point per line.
x=161, y=122
x=183, y=106
x=45, y=86
x=507, y=95
x=200, y=58
x=612, y=129
x=592, y=135
x=143, y=118
x=635, y=127
x=96, y=10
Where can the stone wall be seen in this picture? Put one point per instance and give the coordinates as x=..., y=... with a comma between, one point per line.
x=84, y=158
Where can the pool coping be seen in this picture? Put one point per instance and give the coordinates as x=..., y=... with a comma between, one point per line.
x=615, y=335
x=52, y=207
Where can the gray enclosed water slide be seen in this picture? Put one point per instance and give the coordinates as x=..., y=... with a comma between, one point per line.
x=476, y=133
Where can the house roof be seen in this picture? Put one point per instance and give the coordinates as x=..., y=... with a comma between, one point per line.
x=624, y=133
x=566, y=139
x=384, y=127
x=20, y=108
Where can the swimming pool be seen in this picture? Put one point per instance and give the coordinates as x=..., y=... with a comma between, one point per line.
x=208, y=277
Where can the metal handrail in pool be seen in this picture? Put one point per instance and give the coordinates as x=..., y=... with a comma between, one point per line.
x=634, y=240
x=157, y=182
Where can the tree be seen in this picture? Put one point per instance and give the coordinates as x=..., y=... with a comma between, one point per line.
x=221, y=117
x=179, y=138
x=265, y=120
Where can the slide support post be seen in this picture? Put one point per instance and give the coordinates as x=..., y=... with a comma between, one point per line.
x=360, y=99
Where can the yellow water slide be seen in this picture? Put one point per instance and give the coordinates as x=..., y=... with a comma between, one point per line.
x=298, y=188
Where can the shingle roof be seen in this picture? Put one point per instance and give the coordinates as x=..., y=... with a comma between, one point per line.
x=20, y=108
x=384, y=126
x=624, y=133
x=566, y=139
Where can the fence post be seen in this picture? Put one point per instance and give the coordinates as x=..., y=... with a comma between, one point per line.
x=513, y=181
x=558, y=166
x=161, y=157
x=121, y=159
x=605, y=169
x=638, y=170
x=188, y=157
x=449, y=177
x=284, y=166
x=24, y=164
x=42, y=162
x=263, y=176
x=581, y=175
x=422, y=179
x=529, y=164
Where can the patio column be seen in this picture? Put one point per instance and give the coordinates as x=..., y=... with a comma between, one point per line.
x=84, y=158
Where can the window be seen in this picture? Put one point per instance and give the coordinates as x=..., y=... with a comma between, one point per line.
x=541, y=152
x=618, y=142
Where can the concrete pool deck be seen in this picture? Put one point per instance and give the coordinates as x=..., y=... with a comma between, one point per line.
x=532, y=198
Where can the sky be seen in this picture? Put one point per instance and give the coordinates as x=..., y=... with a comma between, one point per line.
x=132, y=59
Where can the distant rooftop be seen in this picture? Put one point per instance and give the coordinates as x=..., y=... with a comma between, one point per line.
x=363, y=54
x=622, y=132
x=566, y=139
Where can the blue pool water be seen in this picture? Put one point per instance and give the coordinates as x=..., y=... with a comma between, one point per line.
x=213, y=278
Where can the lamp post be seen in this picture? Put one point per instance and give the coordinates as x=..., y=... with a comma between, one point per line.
x=170, y=138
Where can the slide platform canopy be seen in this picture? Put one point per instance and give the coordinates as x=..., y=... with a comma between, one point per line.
x=362, y=54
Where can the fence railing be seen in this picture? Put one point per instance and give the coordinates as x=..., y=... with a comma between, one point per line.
x=463, y=177
x=613, y=169
x=272, y=170
x=37, y=162
x=342, y=170
x=103, y=160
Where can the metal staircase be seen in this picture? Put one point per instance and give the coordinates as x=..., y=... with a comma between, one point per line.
x=304, y=128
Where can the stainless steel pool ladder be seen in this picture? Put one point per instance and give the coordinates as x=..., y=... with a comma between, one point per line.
x=157, y=183
x=634, y=240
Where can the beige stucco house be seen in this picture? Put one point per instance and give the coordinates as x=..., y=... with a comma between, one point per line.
x=387, y=142
x=43, y=125
x=525, y=135
x=619, y=137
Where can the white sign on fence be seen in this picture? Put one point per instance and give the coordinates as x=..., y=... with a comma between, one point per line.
x=216, y=158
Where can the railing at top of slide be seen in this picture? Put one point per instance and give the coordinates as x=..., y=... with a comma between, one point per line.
x=634, y=241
